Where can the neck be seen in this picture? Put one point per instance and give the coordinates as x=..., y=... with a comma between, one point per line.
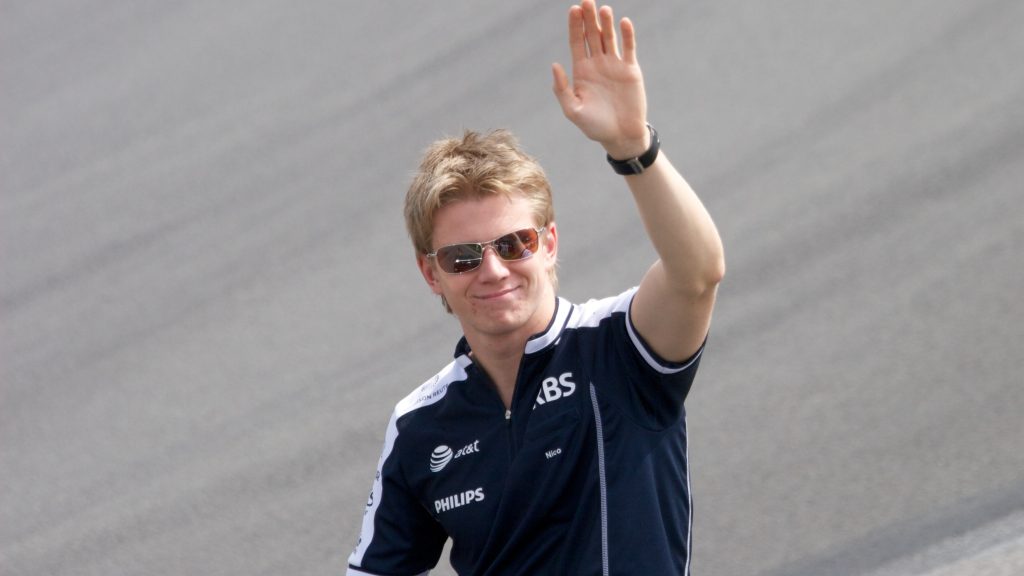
x=499, y=355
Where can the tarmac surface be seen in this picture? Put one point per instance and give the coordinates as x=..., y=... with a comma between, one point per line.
x=208, y=303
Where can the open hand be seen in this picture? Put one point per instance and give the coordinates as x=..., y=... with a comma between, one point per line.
x=606, y=99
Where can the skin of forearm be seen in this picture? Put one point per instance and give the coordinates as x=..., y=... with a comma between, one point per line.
x=680, y=228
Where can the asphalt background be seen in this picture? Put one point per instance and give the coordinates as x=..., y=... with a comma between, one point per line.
x=208, y=303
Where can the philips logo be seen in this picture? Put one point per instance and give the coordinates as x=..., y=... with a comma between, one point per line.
x=442, y=455
x=552, y=389
x=460, y=499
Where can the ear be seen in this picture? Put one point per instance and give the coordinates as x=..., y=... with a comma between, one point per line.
x=429, y=272
x=550, y=243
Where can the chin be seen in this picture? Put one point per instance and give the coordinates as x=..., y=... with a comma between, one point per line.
x=495, y=323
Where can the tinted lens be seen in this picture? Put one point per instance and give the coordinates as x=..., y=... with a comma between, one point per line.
x=517, y=245
x=459, y=258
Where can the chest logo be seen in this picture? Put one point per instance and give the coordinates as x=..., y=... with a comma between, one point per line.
x=442, y=455
x=552, y=389
x=457, y=500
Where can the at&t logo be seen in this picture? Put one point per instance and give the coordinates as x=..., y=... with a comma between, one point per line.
x=442, y=455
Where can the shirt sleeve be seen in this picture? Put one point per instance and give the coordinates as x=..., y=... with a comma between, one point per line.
x=650, y=389
x=399, y=537
x=660, y=386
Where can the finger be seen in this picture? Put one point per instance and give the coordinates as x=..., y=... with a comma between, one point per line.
x=560, y=77
x=611, y=45
x=591, y=27
x=628, y=41
x=577, y=40
x=563, y=92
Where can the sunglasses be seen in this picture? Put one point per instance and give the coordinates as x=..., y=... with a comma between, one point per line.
x=462, y=258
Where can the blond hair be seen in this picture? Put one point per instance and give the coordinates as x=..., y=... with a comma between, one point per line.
x=469, y=168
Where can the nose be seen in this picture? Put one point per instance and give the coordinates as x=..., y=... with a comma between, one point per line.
x=492, y=266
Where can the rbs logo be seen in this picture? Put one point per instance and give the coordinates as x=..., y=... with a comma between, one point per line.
x=552, y=389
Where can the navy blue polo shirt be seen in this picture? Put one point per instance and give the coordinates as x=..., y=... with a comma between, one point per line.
x=587, y=473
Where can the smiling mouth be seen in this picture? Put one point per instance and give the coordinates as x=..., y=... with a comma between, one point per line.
x=496, y=295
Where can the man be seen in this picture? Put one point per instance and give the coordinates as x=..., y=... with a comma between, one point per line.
x=555, y=442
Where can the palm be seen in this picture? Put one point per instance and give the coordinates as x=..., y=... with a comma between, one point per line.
x=606, y=99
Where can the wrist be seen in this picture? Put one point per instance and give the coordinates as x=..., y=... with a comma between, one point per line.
x=631, y=147
x=626, y=164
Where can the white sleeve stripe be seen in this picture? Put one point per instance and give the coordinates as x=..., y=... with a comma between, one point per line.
x=428, y=393
x=366, y=535
x=651, y=360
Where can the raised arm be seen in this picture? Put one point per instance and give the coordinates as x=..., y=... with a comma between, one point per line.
x=606, y=100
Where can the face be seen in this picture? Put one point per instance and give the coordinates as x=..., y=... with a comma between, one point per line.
x=500, y=298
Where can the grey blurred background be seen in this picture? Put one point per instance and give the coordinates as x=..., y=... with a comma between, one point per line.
x=208, y=303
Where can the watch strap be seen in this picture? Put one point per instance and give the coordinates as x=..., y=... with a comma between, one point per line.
x=638, y=164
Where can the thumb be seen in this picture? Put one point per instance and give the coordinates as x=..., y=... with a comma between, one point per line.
x=562, y=90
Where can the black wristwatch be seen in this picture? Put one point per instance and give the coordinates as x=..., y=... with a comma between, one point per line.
x=637, y=165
